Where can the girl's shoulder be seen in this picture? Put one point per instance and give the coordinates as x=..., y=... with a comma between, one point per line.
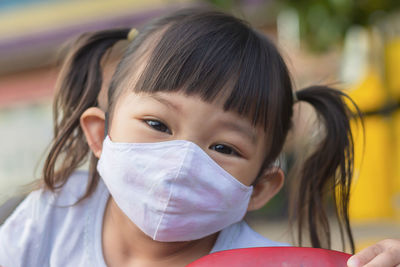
x=45, y=223
x=241, y=235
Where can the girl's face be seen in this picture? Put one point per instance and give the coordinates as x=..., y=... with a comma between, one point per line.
x=230, y=140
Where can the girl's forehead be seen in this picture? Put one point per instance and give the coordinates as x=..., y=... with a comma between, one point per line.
x=180, y=100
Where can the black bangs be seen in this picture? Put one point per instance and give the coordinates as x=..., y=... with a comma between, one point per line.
x=213, y=55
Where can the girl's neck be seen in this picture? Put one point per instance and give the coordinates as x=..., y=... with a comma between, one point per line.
x=124, y=244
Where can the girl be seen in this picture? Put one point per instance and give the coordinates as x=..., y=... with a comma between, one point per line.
x=197, y=113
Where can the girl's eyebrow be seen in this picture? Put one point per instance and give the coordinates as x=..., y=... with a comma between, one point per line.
x=245, y=131
x=165, y=102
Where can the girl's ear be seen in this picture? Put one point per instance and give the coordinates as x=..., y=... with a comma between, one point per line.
x=268, y=185
x=92, y=122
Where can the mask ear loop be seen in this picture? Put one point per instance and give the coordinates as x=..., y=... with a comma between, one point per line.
x=106, y=125
x=295, y=97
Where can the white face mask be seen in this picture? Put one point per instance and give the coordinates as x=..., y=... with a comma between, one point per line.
x=173, y=191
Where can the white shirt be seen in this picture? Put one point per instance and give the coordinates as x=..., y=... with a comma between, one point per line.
x=46, y=229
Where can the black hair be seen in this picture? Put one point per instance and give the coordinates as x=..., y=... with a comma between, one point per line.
x=210, y=54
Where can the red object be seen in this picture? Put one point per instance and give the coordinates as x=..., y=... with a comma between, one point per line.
x=274, y=257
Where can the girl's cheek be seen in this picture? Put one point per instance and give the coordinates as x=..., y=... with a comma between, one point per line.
x=235, y=166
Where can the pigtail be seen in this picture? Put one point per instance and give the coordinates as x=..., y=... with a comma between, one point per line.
x=77, y=89
x=328, y=170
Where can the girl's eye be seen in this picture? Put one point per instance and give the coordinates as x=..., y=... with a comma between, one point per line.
x=158, y=126
x=224, y=149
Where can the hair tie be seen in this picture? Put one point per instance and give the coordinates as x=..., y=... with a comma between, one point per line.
x=132, y=34
x=295, y=98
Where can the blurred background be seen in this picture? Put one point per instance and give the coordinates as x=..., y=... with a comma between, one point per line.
x=350, y=44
